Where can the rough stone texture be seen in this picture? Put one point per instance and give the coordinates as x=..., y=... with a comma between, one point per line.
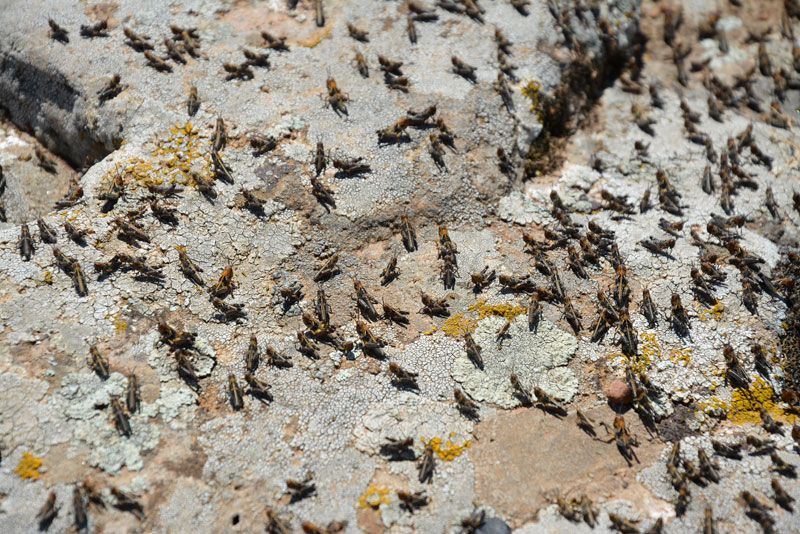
x=29, y=191
x=537, y=359
x=197, y=465
x=293, y=89
x=186, y=450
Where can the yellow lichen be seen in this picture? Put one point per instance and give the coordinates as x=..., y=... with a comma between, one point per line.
x=171, y=161
x=447, y=450
x=28, y=467
x=714, y=404
x=459, y=324
x=649, y=346
x=532, y=91
x=714, y=312
x=682, y=356
x=47, y=278
x=120, y=324
x=179, y=150
x=373, y=497
x=431, y=331
x=617, y=357
x=74, y=215
x=649, y=350
x=504, y=310
x=746, y=404
x=135, y=172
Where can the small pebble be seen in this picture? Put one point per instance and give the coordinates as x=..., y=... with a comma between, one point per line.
x=618, y=392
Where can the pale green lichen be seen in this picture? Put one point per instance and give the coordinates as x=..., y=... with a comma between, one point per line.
x=538, y=359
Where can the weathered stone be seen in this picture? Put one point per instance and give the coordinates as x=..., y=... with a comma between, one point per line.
x=333, y=409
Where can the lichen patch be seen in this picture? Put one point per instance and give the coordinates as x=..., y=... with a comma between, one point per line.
x=538, y=359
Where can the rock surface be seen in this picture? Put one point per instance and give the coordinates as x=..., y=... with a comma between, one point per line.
x=195, y=463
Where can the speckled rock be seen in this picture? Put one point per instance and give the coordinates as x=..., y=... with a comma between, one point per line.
x=538, y=359
x=330, y=412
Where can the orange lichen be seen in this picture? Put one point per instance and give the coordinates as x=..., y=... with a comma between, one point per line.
x=28, y=467
x=373, y=497
x=447, y=450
